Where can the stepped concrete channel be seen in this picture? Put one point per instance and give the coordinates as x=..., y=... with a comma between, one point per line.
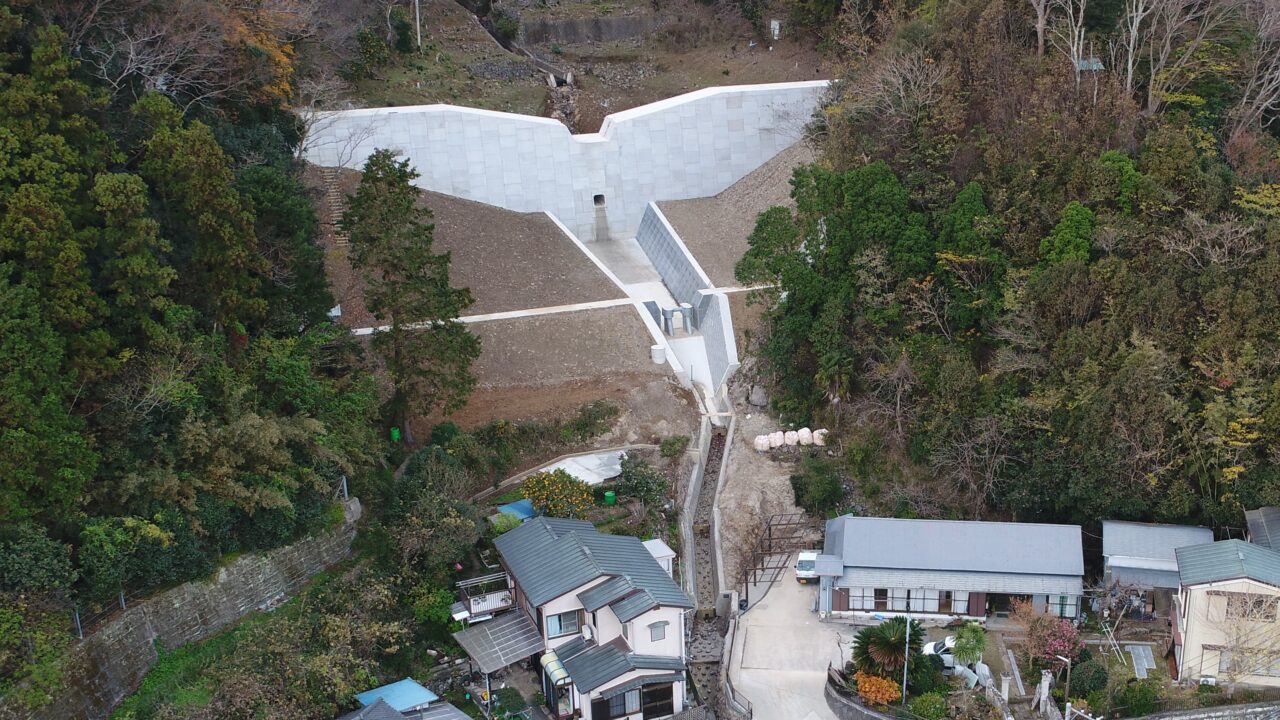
x=707, y=643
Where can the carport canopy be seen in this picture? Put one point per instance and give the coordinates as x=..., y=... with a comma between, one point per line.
x=497, y=643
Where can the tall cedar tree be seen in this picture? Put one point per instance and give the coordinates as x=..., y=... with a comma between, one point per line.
x=428, y=353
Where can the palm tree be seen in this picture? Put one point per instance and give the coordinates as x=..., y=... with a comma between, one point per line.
x=880, y=649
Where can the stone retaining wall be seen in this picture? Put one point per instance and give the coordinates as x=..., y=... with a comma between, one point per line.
x=109, y=664
x=848, y=709
x=1255, y=711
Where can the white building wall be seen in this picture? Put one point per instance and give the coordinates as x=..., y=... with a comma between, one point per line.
x=565, y=603
x=689, y=146
x=670, y=646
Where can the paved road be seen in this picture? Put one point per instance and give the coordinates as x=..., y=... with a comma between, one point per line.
x=781, y=653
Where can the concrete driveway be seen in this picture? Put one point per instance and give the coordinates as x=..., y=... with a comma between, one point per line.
x=781, y=653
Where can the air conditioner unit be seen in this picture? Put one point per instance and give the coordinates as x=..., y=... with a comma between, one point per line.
x=1208, y=681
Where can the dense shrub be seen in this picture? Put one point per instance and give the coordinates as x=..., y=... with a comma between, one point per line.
x=875, y=690
x=642, y=481
x=1139, y=697
x=817, y=486
x=930, y=706
x=924, y=674
x=1087, y=677
x=673, y=446
x=556, y=493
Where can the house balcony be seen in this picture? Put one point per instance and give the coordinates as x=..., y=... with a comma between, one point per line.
x=482, y=597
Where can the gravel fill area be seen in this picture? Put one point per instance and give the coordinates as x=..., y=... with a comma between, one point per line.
x=564, y=347
x=715, y=229
x=509, y=260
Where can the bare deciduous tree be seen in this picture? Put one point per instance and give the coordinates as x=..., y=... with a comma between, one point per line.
x=1260, y=99
x=930, y=302
x=899, y=91
x=1042, y=9
x=1068, y=33
x=1135, y=32
x=891, y=380
x=1230, y=243
x=1179, y=29
x=1250, y=634
x=971, y=459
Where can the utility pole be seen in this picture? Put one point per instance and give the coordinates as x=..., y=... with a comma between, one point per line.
x=906, y=658
x=1066, y=695
x=417, y=21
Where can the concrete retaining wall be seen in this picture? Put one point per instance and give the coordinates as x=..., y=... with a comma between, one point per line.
x=716, y=325
x=108, y=665
x=1255, y=711
x=846, y=708
x=690, y=146
x=673, y=261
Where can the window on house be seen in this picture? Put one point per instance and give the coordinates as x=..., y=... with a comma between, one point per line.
x=658, y=631
x=1248, y=606
x=618, y=706
x=566, y=623
x=658, y=701
x=881, y=599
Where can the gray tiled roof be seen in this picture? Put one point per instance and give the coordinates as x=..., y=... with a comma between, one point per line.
x=379, y=710
x=641, y=682
x=1264, y=526
x=1228, y=560
x=495, y=644
x=633, y=606
x=592, y=667
x=1145, y=578
x=551, y=556
x=1146, y=540
x=605, y=593
x=956, y=545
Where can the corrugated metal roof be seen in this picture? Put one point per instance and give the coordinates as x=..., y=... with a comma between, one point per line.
x=956, y=545
x=595, y=666
x=1147, y=540
x=1228, y=560
x=606, y=592
x=1013, y=583
x=402, y=695
x=551, y=556
x=1264, y=527
x=1145, y=578
x=379, y=710
x=829, y=566
x=633, y=606
x=442, y=711
x=497, y=643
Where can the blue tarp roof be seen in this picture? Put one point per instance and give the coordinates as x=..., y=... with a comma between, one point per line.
x=522, y=509
x=403, y=695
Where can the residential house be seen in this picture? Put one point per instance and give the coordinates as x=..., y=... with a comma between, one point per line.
x=1264, y=527
x=598, y=616
x=1139, y=562
x=947, y=569
x=1226, y=625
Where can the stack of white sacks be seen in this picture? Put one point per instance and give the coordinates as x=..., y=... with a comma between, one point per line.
x=778, y=438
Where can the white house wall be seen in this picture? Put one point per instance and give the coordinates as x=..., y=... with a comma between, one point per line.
x=690, y=146
x=671, y=646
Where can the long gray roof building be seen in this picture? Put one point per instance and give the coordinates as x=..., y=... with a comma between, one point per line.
x=1142, y=554
x=998, y=557
x=549, y=557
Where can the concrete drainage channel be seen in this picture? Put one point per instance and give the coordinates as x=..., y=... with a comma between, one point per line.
x=707, y=643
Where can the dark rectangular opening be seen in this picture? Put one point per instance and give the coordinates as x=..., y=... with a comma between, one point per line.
x=598, y=200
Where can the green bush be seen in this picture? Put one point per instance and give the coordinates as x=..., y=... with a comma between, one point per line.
x=673, y=446
x=31, y=560
x=817, y=486
x=502, y=523
x=1087, y=677
x=930, y=706
x=1139, y=698
x=924, y=675
x=641, y=481
x=507, y=26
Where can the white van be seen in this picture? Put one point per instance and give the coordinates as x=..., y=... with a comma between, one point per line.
x=807, y=567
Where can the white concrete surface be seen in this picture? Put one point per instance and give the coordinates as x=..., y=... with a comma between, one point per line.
x=690, y=146
x=781, y=653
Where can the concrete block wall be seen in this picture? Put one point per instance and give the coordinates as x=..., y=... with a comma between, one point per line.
x=690, y=146
x=680, y=272
x=106, y=666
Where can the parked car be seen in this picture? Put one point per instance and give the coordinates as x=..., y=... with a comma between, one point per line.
x=944, y=649
x=807, y=567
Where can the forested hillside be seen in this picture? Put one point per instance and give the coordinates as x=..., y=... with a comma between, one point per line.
x=171, y=388
x=1037, y=274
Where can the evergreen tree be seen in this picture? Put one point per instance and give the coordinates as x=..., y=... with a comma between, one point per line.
x=427, y=352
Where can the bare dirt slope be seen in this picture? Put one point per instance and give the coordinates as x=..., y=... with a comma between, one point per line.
x=509, y=260
x=755, y=488
x=716, y=228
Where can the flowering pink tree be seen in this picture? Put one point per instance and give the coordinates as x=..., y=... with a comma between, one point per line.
x=1050, y=637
